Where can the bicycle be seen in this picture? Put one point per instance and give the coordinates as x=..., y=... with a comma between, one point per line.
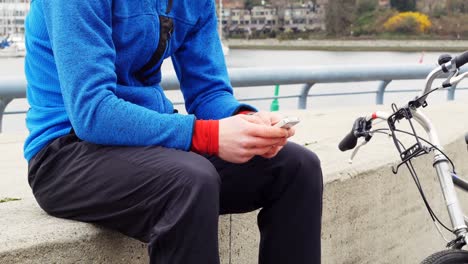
x=445, y=170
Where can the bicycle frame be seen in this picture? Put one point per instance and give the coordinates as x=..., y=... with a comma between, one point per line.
x=442, y=167
x=440, y=162
x=362, y=127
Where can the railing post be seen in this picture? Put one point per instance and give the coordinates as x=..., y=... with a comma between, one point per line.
x=275, y=104
x=302, y=103
x=4, y=101
x=451, y=93
x=380, y=92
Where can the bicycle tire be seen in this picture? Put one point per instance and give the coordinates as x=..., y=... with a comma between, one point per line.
x=449, y=256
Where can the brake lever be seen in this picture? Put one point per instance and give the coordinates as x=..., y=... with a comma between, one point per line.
x=356, y=149
x=456, y=79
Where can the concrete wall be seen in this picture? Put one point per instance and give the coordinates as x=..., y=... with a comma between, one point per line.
x=373, y=217
x=370, y=215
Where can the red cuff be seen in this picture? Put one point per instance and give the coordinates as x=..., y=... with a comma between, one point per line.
x=205, y=138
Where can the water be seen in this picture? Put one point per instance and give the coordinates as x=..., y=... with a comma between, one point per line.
x=283, y=58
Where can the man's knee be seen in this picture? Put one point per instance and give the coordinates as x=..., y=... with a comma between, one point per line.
x=186, y=178
x=299, y=155
x=192, y=193
x=305, y=164
x=200, y=175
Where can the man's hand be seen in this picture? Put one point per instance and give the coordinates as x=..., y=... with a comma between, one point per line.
x=241, y=137
x=269, y=118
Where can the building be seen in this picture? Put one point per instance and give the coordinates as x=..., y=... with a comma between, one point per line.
x=232, y=4
x=384, y=3
x=264, y=19
x=236, y=21
x=300, y=18
x=12, y=16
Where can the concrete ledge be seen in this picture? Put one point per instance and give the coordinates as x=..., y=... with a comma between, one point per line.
x=29, y=235
x=370, y=215
x=32, y=236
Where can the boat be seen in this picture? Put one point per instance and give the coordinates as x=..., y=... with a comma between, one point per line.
x=5, y=43
x=12, y=16
x=12, y=47
x=225, y=48
x=14, y=50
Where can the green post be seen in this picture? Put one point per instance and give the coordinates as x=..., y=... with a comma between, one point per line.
x=275, y=104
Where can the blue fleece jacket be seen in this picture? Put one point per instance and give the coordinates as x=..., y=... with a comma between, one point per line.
x=82, y=56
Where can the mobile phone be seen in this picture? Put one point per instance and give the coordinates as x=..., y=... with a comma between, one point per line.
x=287, y=122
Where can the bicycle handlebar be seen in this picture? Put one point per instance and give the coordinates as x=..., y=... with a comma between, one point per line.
x=348, y=142
x=461, y=59
x=362, y=125
x=360, y=128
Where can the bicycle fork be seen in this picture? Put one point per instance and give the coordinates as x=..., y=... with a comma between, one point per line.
x=442, y=167
x=451, y=200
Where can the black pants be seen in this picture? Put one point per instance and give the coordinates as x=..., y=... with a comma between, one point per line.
x=171, y=199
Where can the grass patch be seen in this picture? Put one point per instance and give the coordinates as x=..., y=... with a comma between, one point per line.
x=8, y=199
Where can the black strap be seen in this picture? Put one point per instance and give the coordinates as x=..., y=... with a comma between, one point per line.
x=166, y=26
x=169, y=6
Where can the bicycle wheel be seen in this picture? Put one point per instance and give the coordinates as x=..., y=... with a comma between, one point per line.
x=449, y=256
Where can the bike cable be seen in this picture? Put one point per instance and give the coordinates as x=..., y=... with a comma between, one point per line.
x=415, y=177
x=432, y=146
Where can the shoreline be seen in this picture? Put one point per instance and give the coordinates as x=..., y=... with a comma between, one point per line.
x=351, y=45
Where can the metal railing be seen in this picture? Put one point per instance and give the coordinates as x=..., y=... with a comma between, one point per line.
x=13, y=88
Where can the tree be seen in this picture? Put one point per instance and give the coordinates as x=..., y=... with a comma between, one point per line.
x=248, y=4
x=339, y=17
x=408, y=23
x=457, y=6
x=403, y=5
x=365, y=6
